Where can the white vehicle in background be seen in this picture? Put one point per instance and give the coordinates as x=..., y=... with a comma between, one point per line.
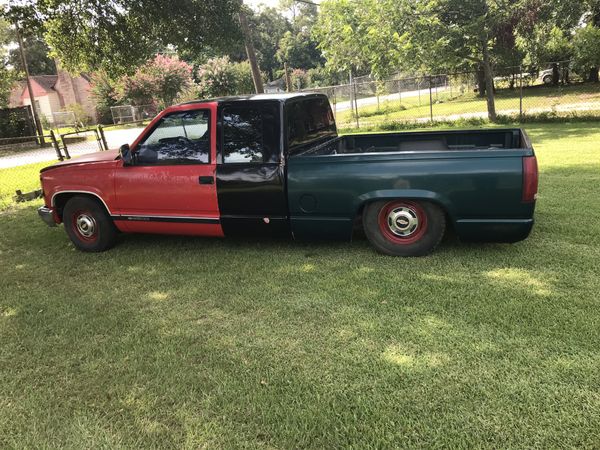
x=546, y=76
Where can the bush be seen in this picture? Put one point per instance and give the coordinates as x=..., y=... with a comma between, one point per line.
x=300, y=79
x=158, y=82
x=105, y=94
x=81, y=116
x=220, y=77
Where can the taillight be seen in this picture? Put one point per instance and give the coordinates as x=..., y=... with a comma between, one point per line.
x=530, y=179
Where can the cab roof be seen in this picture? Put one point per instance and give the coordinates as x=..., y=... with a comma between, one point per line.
x=282, y=97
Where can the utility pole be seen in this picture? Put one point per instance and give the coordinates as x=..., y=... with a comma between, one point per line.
x=256, y=76
x=36, y=119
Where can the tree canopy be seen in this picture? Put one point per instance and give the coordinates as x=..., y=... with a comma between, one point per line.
x=117, y=35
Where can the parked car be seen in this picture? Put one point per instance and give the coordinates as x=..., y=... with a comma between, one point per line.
x=546, y=76
x=274, y=165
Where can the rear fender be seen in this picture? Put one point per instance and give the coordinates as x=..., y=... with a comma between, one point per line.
x=409, y=194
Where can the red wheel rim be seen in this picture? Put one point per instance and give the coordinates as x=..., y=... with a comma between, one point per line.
x=84, y=225
x=402, y=222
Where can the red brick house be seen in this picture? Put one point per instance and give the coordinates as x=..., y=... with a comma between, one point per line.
x=56, y=94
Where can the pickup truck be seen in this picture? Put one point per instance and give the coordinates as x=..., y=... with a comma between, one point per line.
x=274, y=165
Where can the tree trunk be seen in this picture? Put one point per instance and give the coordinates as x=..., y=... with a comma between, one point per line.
x=489, y=83
x=555, y=74
x=480, y=82
x=593, y=77
x=256, y=75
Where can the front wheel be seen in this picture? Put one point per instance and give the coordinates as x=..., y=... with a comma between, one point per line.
x=88, y=225
x=404, y=227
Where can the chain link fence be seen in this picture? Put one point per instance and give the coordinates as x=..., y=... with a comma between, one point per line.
x=132, y=114
x=64, y=119
x=519, y=95
x=21, y=158
x=386, y=104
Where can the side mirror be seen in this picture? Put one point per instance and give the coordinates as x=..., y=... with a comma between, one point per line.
x=126, y=155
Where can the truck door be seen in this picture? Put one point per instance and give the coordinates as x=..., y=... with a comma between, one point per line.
x=250, y=170
x=170, y=188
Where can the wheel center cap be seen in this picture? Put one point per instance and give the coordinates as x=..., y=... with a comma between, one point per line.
x=402, y=222
x=86, y=225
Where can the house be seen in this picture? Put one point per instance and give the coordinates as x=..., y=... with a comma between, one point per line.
x=56, y=94
x=275, y=87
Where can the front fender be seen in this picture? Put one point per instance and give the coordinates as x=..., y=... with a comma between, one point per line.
x=409, y=194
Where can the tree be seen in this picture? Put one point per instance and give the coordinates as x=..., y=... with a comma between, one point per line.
x=299, y=51
x=38, y=61
x=546, y=44
x=119, y=35
x=337, y=32
x=105, y=94
x=8, y=76
x=593, y=20
x=269, y=28
x=586, y=43
x=420, y=35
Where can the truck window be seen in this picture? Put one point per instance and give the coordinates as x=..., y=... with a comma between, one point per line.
x=250, y=135
x=309, y=120
x=179, y=138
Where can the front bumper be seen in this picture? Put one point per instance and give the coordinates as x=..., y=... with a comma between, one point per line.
x=47, y=215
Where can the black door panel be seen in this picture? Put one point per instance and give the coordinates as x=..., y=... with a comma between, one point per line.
x=252, y=194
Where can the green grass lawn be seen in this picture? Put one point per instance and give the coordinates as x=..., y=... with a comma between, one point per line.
x=452, y=102
x=169, y=342
x=25, y=178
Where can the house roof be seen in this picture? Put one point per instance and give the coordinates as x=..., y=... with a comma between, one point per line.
x=46, y=81
x=280, y=82
x=41, y=85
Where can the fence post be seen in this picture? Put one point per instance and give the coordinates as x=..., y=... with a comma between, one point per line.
x=67, y=155
x=520, y=93
x=102, y=137
x=430, y=100
x=355, y=102
x=334, y=104
x=56, y=146
x=400, y=92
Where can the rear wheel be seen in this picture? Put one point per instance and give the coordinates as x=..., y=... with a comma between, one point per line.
x=404, y=227
x=547, y=79
x=88, y=225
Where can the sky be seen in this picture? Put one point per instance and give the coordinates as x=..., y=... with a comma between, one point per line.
x=254, y=3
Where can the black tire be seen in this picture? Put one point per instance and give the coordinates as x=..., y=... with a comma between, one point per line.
x=88, y=224
x=404, y=227
x=547, y=79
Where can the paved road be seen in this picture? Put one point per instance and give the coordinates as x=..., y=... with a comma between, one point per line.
x=114, y=139
x=343, y=106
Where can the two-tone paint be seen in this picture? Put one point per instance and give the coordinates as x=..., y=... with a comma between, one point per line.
x=309, y=193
